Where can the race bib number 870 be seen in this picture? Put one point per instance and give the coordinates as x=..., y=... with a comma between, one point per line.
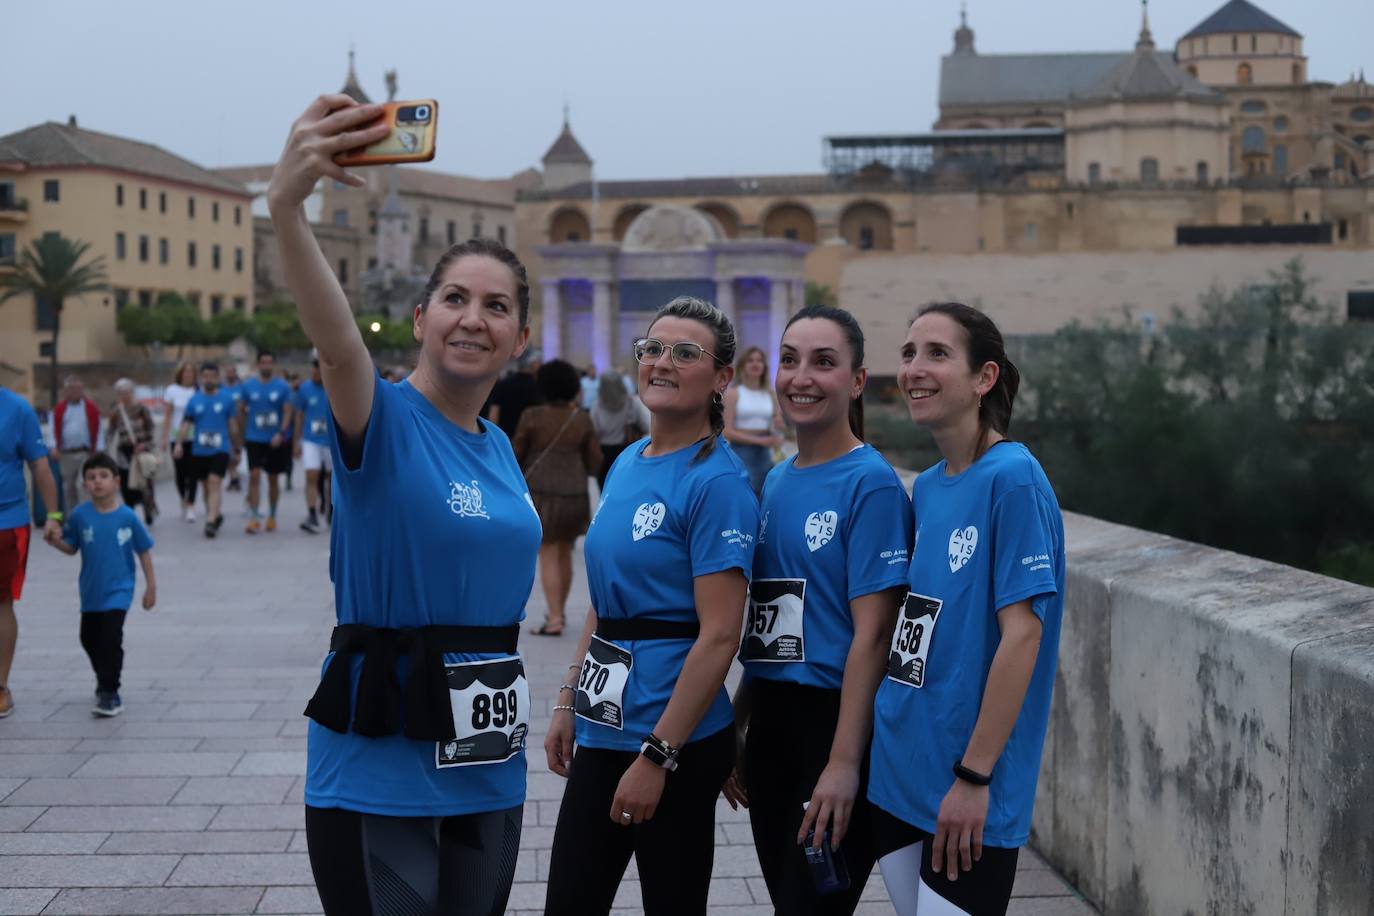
x=601, y=683
x=906, y=662
x=490, y=702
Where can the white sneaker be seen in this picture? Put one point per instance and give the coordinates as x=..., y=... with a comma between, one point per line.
x=190, y=515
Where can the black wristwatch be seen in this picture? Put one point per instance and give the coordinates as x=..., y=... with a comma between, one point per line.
x=660, y=753
x=973, y=777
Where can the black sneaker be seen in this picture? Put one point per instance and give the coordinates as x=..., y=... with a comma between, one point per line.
x=217, y=523
x=107, y=704
x=311, y=524
x=211, y=529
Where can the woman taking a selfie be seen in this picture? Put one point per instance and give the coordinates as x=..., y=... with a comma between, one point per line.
x=972, y=661
x=829, y=574
x=415, y=776
x=668, y=558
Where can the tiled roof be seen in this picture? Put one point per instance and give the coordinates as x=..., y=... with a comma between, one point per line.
x=497, y=192
x=1000, y=79
x=56, y=145
x=567, y=149
x=1240, y=16
x=1148, y=75
x=725, y=187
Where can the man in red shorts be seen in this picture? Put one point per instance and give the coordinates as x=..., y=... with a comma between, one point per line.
x=21, y=442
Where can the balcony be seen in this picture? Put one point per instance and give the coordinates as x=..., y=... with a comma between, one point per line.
x=14, y=210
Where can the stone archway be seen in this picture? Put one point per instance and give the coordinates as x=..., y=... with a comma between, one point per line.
x=569, y=225
x=867, y=226
x=790, y=221
x=624, y=217
x=723, y=214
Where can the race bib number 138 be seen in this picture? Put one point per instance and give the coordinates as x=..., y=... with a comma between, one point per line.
x=906, y=662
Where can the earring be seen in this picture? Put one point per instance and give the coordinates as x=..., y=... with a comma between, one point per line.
x=717, y=399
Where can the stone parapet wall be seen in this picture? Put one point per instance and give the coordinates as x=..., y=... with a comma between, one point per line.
x=1211, y=746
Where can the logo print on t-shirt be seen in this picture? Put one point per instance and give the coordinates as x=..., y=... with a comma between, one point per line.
x=466, y=501
x=647, y=519
x=962, y=542
x=763, y=526
x=88, y=535
x=820, y=528
x=123, y=535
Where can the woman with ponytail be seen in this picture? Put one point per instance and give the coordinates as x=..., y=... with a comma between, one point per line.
x=829, y=574
x=669, y=554
x=972, y=662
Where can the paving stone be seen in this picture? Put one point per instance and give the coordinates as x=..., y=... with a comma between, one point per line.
x=290, y=900
x=163, y=764
x=36, y=745
x=48, y=844
x=1039, y=882
x=233, y=790
x=52, y=765
x=271, y=763
x=86, y=871
x=133, y=712
x=260, y=817
x=228, y=728
x=242, y=869
x=124, y=818
x=17, y=818
x=205, y=841
x=1050, y=906
x=169, y=900
x=28, y=901
x=139, y=745
x=7, y=787
x=132, y=790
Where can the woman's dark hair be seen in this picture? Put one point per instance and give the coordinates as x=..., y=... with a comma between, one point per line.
x=558, y=381
x=985, y=345
x=854, y=335
x=724, y=332
x=100, y=460
x=488, y=248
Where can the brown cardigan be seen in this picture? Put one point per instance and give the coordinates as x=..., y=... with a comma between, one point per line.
x=572, y=457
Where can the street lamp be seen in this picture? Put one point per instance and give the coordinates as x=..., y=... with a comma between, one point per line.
x=375, y=327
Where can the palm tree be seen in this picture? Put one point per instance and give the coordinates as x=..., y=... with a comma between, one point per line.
x=48, y=270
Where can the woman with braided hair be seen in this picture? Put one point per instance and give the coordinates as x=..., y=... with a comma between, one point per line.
x=669, y=553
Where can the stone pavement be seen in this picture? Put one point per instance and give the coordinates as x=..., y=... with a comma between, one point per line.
x=191, y=801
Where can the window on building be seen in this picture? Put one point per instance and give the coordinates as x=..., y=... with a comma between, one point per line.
x=143, y=198
x=1252, y=140
x=371, y=263
x=119, y=195
x=371, y=222
x=121, y=251
x=193, y=297
x=477, y=228
x=865, y=238
x=1192, y=71
x=343, y=271
x=1094, y=172
x=238, y=215
x=7, y=248
x=786, y=233
x=164, y=251
x=1297, y=74
x=1149, y=170
x=1235, y=43
x=424, y=229
x=1244, y=75
x=52, y=191
x=190, y=254
x=1068, y=209
x=121, y=299
x=214, y=211
x=501, y=234
x=190, y=208
x=1280, y=159
x=238, y=260
x=143, y=248
x=451, y=232
x=341, y=216
x=214, y=257
x=1030, y=232
x=1254, y=42
x=240, y=303
x=216, y=304
x=1203, y=173
x=145, y=298
x=1280, y=124
x=1307, y=216
x=1342, y=230
x=162, y=201
x=7, y=199
x=1362, y=115
x=43, y=315
x=1253, y=106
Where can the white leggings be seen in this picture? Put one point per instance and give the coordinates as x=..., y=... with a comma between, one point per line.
x=910, y=895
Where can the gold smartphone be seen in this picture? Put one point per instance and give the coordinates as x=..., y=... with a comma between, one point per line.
x=413, y=125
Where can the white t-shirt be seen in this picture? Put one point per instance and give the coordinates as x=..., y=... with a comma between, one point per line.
x=178, y=396
x=753, y=409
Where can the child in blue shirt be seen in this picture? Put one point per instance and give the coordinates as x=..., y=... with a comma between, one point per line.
x=108, y=536
x=959, y=721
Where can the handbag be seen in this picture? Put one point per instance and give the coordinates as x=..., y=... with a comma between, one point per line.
x=552, y=442
x=142, y=465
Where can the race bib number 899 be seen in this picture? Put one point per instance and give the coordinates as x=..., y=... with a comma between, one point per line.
x=906, y=662
x=490, y=702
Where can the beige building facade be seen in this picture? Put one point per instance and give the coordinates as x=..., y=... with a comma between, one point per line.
x=160, y=223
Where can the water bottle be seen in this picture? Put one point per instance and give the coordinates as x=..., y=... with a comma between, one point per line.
x=826, y=866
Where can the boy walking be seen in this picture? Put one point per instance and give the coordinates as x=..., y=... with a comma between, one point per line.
x=108, y=535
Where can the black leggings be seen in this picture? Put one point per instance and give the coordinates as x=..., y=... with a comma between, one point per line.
x=186, y=475
x=374, y=865
x=102, y=636
x=984, y=890
x=791, y=728
x=674, y=850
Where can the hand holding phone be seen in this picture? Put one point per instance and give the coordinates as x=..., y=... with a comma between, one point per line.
x=410, y=137
x=332, y=124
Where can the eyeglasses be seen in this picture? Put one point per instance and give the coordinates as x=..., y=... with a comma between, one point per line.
x=684, y=353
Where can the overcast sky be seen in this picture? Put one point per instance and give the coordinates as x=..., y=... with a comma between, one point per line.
x=657, y=89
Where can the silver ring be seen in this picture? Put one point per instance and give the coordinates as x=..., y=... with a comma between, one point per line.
x=626, y=816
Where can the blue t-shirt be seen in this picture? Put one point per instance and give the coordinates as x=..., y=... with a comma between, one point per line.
x=21, y=442
x=266, y=401
x=314, y=408
x=985, y=539
x=830, y=533
x=433, y=527
x=108, y=542
x=234, y=391
x=662, y=522
x=209, y=415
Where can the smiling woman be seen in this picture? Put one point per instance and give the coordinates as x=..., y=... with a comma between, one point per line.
x=420, y=481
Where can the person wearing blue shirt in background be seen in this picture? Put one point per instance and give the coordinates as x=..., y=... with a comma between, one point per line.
x=108, y=535
x=960, y=719
x=234, y=386
x=669, y=553
x=21, y=443
x=829, y=574
x=265, y=412
x=415, y=770
x=210, y=424
x=311, y=442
